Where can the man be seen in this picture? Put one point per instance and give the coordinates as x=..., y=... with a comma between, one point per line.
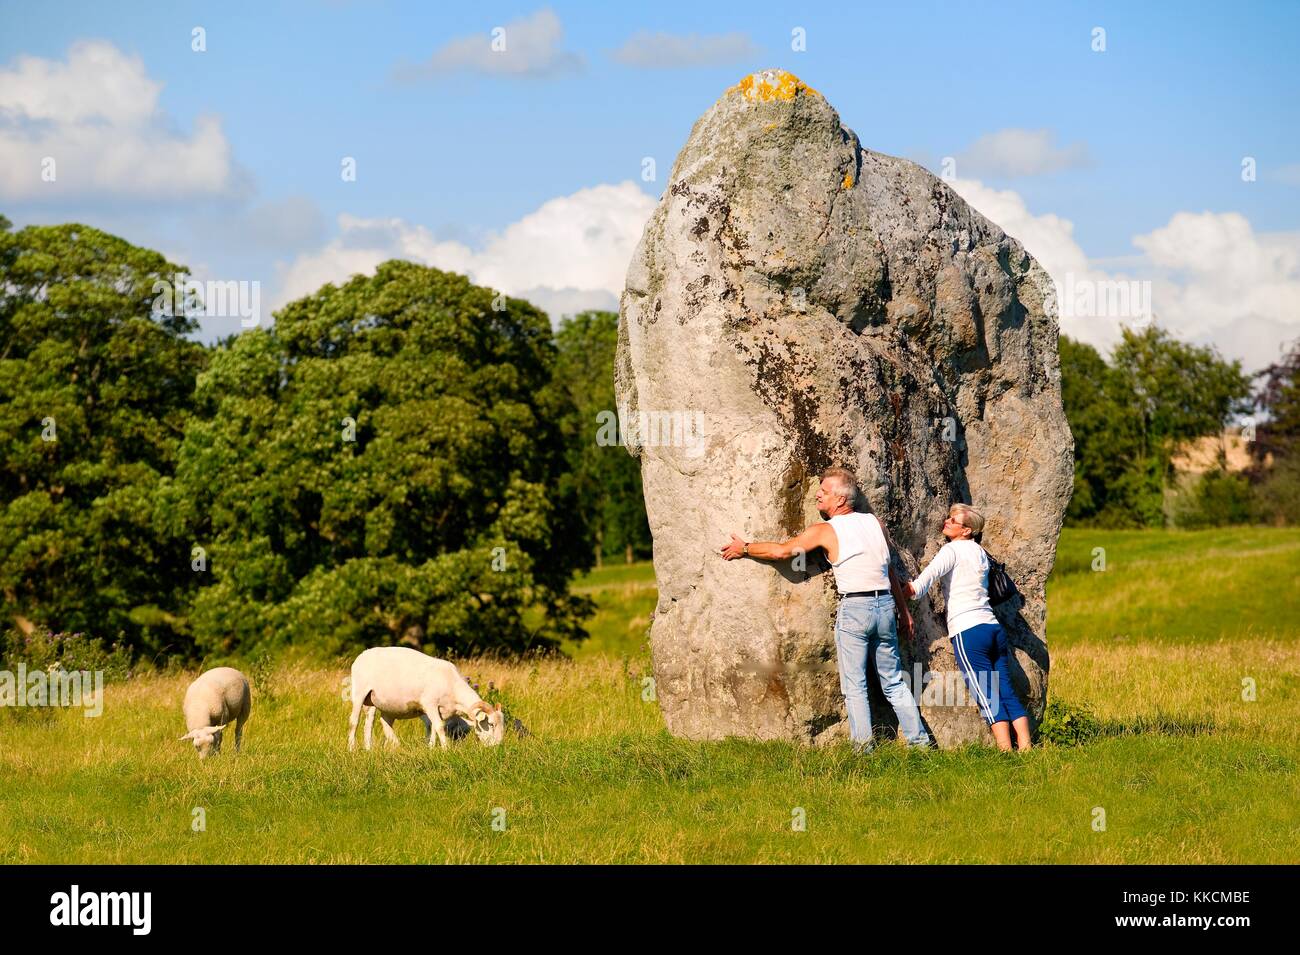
x=871, y=595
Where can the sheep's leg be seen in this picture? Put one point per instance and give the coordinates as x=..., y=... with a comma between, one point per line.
x=352, y=724
x=428, y=727
x=239, y=734
x=370, y=724
x=387, y=722
x=438, y=730
x=432, y=716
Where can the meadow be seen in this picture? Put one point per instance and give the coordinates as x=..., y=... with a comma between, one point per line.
x=1185, y=650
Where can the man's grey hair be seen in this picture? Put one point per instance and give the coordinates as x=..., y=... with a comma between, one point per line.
x=845, y=483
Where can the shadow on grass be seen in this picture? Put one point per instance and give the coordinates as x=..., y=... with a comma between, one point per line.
x=1073, y=724
x=1161, y=724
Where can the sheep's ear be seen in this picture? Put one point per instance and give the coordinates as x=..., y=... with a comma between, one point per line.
x=217, y=729
x=189, y=735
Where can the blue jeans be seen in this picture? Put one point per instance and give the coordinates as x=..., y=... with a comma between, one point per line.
x=865, y=627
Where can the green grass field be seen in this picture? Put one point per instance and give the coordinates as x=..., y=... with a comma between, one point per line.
x=1158, y=645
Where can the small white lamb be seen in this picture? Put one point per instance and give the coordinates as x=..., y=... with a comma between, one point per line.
x=402, y=683
x=212, y=701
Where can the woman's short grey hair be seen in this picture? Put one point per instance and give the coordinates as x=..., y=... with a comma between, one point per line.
x=844, y=482
x=968, y=516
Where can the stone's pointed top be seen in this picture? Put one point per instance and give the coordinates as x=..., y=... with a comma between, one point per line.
x=768, y=86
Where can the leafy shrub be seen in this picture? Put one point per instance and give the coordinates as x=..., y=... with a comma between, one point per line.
x=262, y=676
x=1067, y=724
x=1217, y=498
x=1279, y=493
x=45, y=650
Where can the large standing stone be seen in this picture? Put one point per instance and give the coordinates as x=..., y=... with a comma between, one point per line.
x=797, y=302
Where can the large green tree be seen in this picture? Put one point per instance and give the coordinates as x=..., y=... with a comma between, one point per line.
x=384, y=464
x=1179, y=391
x=606, y=477
x=1129, y=416
x=95, y=389
x=1113, y=482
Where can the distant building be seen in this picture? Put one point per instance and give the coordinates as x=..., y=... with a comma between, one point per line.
x=1194, y=458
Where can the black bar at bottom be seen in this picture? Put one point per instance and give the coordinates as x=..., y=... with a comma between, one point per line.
x=481, y=905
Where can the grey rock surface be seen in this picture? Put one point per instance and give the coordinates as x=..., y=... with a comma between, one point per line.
x=796, y=302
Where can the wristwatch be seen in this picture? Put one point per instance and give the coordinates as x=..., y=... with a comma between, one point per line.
x=746, y=551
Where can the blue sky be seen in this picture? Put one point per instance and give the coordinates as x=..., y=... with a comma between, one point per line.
x=1073, y=150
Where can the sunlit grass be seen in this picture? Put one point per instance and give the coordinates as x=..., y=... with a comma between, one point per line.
x=1175, y=588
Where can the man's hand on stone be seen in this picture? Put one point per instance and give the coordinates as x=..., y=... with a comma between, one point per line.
x=735, y=549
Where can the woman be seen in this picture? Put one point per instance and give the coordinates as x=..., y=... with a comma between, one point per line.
x=978, y=640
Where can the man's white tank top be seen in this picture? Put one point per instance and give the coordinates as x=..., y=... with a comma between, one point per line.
x=864, y=554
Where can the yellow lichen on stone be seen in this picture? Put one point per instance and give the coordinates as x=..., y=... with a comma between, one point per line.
x=772, y=85
x=848, y=180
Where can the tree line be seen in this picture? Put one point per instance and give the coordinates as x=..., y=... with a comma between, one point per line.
x=404, y=457
x=1132, y=412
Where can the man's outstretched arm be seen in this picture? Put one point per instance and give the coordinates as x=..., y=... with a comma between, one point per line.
x=811, y=538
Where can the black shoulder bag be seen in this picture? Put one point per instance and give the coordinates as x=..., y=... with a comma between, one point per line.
x=1001, y=587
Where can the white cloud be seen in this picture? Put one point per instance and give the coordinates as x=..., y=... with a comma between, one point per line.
x=1048, y=237
x=360, y=246
x=1218, y=280
x=570, y=253
x=528, y=46
x=1213, y=279
x=1019, y=152
x=1199, y=243
x=670, y=50
x=96, y=116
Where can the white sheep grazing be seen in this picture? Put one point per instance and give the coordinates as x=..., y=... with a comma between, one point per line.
x=402, y=683
x=212, y=701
